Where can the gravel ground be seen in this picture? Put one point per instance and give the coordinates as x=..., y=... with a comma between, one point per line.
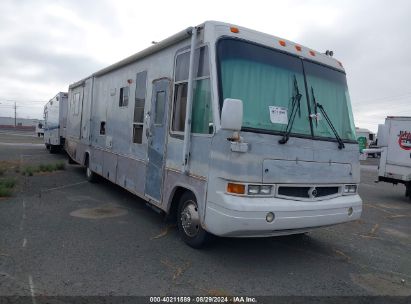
x=60, y=235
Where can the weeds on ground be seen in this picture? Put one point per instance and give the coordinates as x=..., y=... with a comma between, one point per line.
x=8, y=166
x=31, y=170
x=6, y=186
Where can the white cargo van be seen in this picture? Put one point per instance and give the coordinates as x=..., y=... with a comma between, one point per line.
x=394, y=138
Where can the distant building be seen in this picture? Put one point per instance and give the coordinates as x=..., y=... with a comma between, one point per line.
x=21, y=123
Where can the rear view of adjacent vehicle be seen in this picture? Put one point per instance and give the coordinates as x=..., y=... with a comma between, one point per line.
x=394, y=139
x=55, y=120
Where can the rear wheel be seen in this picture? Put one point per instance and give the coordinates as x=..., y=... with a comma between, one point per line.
x=189, y=224
x=53, y=149
x=408, y=190
x=70, y=160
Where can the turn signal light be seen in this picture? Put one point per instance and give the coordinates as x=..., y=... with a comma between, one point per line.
x=235, y=188
x=234, y=30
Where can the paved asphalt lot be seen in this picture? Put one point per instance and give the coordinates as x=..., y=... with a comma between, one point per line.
x=60, y=235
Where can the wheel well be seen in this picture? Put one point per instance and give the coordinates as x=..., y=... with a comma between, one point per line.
x=86, y=159
x=172, y=211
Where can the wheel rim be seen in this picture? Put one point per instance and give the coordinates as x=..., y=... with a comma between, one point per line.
x=190, y=219
x=88, y=172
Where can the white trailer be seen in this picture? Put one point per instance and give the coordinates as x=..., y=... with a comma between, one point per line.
x=55, y=120
x=231, y=131
x=394, y=138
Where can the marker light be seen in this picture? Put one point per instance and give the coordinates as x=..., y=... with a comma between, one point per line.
x=234, y=30
x=235, y=188
x=269, y=217
x=282, y=43
x=350, y=189
x=312, y=53
x=298, y=48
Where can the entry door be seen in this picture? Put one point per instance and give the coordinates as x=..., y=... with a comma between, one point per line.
x=156, y=137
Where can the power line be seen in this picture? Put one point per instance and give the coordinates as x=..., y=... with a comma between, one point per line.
x=393, y=97
x=2, y=99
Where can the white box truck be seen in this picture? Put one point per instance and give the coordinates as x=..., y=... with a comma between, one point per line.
x=394, y=138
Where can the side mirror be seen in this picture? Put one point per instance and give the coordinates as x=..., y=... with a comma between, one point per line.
x=232, y=114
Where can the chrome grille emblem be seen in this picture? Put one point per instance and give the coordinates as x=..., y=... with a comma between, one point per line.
x=312, y=193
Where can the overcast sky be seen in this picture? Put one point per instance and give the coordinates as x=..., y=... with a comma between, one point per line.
x=46, y=45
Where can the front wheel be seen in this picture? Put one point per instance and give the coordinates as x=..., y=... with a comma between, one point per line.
x=189, y=224
x=90, y=175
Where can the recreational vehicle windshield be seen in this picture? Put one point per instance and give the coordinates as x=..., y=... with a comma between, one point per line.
x=231, y=131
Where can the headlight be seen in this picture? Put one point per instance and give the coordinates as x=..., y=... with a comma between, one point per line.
x=266, y=190
x=350, y=189
x=254, y=189
x=259, y=189
x=251, y=190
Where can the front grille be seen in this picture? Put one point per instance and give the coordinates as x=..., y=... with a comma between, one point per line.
x=326, y=191
x=307, y=192
x=294, y=191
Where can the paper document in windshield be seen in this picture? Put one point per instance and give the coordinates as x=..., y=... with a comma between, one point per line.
x=278, y=115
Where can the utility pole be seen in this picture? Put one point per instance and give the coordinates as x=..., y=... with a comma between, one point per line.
x=15, y=114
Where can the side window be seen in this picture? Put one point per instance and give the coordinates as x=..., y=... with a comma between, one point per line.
x=76, y=103
x=160, y=104
x=140, y=100
x=202, y=119
x=102, y=128
x=124, y=93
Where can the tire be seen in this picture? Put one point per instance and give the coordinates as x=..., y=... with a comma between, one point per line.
x=90, y=175
x=408, y=190
x=47, y=146
x=52, y=149
x=70, y=160
x=188, y=222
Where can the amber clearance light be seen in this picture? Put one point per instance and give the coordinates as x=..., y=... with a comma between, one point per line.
x=235, y=188
x=234, y=30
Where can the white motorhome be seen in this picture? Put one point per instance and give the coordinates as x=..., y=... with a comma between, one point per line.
x=55, y=120
x=234, y=132
x=394, y=138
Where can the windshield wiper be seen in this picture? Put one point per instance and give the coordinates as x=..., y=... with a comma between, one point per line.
x=322, y=110
x=294, y=107
x=315, y=107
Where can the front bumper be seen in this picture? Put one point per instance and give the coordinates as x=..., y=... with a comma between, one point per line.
x=246, y=217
